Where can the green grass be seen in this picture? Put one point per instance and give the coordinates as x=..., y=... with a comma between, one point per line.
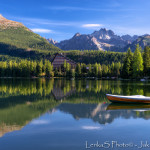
x=23, y=38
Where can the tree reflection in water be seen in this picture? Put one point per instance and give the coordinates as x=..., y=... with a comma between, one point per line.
x=22, y=100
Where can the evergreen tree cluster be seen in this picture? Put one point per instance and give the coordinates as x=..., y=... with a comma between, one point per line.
x=90, y=70
x=26, y=68
x=44, y=68
x=137, y=64
x=94, y=56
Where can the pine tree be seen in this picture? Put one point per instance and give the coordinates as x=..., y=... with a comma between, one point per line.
x=9, y=70
x=137, y=62
x=127, y=69
x=104, y=70
x=72, y=73
x=33, y=65
x=96, y=70
x=68, y=67
x=89, y=70
x=83, y=68
x=146, y=59
x=99, y=71
x=117, y=69
x=78, y=70
x=44, y=67
x=112, y=69
x=14, y=70
x=68, y=71
x=49, y=69
x=39, y=68
x=129, y=54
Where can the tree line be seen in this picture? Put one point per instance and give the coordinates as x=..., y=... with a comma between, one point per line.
x=95, y=56
x=28, y=68
x=137, y=64
x=134, y=65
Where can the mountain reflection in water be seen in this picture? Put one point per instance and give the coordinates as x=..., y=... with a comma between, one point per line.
x=100, y=113
x=23, y=100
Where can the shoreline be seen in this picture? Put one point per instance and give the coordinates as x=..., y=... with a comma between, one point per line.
x=79, y=78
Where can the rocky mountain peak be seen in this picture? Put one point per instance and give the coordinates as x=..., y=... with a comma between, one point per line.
x=129, y=37
x=52, y=41
x=103, y=34
x=110, y=32
x=1, y=17
x=5, y=23
x=102, y=39
x=77, y=34
x=104, y=31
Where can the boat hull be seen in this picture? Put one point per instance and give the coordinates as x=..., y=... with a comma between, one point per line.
x=117, y=99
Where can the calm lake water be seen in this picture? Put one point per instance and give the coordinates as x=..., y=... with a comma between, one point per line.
x=59, y=114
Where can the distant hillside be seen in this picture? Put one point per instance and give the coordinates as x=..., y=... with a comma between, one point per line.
x=142, y=41
x=99, y=40
x=16, y=36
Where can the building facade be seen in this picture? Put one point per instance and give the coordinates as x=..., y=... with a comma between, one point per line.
x=59, y=59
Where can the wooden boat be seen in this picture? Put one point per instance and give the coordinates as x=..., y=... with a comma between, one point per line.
x=128, y=99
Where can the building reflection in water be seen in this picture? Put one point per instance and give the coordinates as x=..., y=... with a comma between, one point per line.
x=23, y=100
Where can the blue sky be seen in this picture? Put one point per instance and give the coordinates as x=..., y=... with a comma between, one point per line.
x=61, y=19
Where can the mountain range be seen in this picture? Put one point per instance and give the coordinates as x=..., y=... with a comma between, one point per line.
x=14, y=36
x=102, y=40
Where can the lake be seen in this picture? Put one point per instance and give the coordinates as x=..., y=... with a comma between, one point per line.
x=59, y=114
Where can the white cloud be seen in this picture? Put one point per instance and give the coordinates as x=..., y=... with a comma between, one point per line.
x=70, y=8
x=38, y=30
x=66, y=8
x=39, y=122
x=40, y=21
x=91, y=127
x=91, y=25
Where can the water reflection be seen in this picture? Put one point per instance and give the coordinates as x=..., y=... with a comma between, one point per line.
x=105, y=113
x=43, y=87
x=14, y=115
x=23, y=100
x=119, y=106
